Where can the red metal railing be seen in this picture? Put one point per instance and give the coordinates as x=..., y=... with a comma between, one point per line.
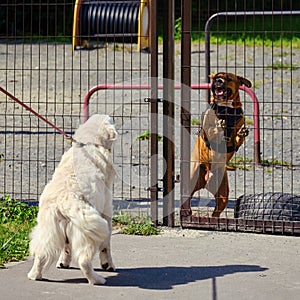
x=195, y=86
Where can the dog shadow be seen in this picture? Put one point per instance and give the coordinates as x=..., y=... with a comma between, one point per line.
x=165, y=278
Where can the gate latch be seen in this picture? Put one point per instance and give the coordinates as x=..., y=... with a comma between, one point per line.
x=153, y=100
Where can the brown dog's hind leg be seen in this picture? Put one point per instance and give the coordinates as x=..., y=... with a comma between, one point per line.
x=198, y=181
x=221, y=197
x=221, y=203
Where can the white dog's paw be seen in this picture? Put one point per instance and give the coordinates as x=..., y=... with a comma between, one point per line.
x=106, y=260
x=34, y=275
x=108, y=267
x=65, y=258
x=62, y=265
x=96, y=279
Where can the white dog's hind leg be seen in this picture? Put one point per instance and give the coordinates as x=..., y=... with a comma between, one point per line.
x=36, y=271
x=89, y=231
x=85, y=265
x=42, y=249
x=65, y=256
x=105, y=253
x=106, y=259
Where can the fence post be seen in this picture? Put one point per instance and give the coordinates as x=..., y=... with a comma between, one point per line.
x=154, y=112
x=185, y=100
x=168, y=113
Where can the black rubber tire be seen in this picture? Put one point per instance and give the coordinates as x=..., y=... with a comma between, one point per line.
x=268, y=206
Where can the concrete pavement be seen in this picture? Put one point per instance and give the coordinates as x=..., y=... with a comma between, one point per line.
x=178, y=264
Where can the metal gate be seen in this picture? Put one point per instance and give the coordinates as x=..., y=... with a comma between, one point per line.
x=268, y=199
x=263, y=192
x=156, y=101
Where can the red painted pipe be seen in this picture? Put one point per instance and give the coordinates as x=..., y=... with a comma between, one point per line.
x=98, y=87
x=195, y=86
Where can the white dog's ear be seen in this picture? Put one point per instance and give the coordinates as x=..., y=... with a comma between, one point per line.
x=106, y=134
x=112, y=134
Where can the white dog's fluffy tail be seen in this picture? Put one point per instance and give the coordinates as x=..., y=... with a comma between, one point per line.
x=47, y=237
x=87, y=231
x=81, y=224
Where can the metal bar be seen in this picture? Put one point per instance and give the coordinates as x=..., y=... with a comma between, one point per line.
x=185, y=100
x=257, y=157
x=168, y=113
x=242, y=225
x=184, y=190
x=235, y=14
x=104, y=35
x=154, y=114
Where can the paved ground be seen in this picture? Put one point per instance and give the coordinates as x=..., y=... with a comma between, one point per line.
x=179, y=264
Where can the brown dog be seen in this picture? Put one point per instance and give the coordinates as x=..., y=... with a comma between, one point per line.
x=223, y=132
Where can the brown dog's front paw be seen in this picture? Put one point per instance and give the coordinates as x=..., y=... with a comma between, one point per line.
x=221, y=124
x=243, y=132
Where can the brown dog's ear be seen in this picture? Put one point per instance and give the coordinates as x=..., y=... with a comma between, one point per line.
x=211, y=76
x=244, y=81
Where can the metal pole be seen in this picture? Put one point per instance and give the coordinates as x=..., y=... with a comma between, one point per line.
x=236, y=14
x=154, y=112
x=168, y=113
x=186, y=17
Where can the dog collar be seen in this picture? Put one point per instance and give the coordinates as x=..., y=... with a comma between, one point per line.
x=80, y=144
x=226, y=111
x=231, y=117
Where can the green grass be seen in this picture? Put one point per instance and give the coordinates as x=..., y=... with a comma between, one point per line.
x=249, y=121
x=282, y=66
x=276, y=162
x=16, y=220
x=267, y=31
x=146, y=136
x=254, y=41
x=275, y=31
x=245, y=163
x=195, y=121
x=138, y=225
x=240, y=162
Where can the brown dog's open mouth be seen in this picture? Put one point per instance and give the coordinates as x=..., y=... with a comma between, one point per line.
x=221, y=92
x=220, y=88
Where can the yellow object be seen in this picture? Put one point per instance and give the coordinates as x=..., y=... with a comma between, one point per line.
x=75, y=33
x=143, y=26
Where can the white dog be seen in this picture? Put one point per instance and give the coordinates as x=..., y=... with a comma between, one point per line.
x=75, y=208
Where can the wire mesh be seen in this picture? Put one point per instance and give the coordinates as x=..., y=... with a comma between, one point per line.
x=258, y=42
x=38, y=66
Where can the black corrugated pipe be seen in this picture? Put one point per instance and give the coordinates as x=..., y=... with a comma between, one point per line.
x=98, y=18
